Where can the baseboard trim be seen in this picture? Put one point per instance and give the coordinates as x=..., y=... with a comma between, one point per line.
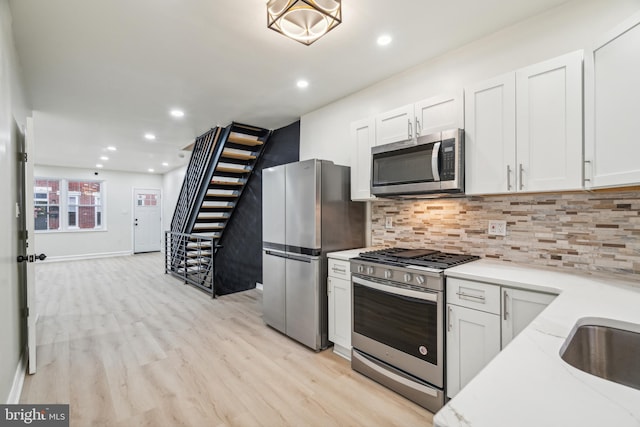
x=18, y=380
x=87, y=256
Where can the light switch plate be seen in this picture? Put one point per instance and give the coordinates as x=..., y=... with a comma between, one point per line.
x=388, y=222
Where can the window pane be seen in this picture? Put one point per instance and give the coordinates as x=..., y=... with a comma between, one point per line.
x=87, y=216
x=46, y=218
x=84, y=204
x=46, y=201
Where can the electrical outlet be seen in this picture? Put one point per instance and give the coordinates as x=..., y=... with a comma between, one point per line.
x=497, y=228
x=388, y=222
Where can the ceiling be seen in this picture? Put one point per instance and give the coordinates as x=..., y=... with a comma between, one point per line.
x=103, y=73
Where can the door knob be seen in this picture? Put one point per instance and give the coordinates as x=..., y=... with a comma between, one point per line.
x=31, y=258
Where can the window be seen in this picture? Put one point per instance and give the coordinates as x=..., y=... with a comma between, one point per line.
x=81, y=207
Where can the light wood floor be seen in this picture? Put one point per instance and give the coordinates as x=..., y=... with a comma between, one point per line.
x=126, y=345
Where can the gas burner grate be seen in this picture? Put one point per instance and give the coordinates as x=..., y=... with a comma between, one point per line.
x=420, y=257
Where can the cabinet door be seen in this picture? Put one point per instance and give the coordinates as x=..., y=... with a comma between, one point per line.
x=549, y=125
x=439, y=113
x=339, y=292
x=473, y=339
x=363, y=137
x=395, y=125
x=519, y=308
x=612, y=92
x=490, y=136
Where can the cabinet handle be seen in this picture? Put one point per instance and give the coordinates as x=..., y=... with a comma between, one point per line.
x=508, y=177
x=520, y=177
x=328, y=286
x=339, y=270
x=418, y=128
x=463, y=295
x=587, y=162
x=410, y=128
x=504, y=303
x=449, y=319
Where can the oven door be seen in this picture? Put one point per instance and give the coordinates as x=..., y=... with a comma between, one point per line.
x=401, y=327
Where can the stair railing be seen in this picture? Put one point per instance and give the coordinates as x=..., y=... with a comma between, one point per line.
x=191, y=258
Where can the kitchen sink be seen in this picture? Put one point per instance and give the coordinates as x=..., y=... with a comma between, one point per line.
x=605, y=348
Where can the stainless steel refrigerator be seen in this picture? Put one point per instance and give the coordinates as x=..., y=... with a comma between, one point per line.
x=306, y=212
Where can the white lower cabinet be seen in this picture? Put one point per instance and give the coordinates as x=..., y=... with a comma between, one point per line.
x=519, y=308
x=473, y=330
x=482, y=318
x=473, y=339
x=339, y=298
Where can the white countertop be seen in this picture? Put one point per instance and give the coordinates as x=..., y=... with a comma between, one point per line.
x=346, y=255
x=528, y=384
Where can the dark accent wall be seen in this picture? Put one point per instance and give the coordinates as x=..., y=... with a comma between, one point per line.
x=239, y=262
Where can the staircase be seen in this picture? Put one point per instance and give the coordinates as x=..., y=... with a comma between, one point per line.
x=221, y=165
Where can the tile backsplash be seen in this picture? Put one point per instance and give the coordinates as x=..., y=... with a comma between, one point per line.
x=588, y=231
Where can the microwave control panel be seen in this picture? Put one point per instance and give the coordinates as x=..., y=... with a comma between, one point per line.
x=448, y=160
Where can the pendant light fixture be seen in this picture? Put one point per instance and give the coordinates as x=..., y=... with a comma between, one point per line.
x=304, y=21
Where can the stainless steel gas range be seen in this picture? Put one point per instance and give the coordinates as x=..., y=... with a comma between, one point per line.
x=398, y=320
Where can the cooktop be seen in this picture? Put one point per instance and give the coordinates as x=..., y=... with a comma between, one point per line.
x=420, y=257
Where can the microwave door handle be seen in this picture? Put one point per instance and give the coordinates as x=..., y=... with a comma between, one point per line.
x=435, y=155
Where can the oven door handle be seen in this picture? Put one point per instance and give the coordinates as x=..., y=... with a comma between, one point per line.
x=427, y=296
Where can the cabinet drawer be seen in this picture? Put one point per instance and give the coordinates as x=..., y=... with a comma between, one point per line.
x=339, y=268
x=476, y=295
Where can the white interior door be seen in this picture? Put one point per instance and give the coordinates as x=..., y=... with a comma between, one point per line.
x=146, y=220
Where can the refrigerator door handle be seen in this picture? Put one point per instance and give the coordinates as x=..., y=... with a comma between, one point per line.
x=299, y=258
x=276, y=253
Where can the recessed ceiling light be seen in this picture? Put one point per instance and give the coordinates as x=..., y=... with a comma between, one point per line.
x=104, y=158
x=111, y=148
x=151, y=170
x=177, y=113
x=302, y=84
x=99, y=165
x=149, y=136
x=384, y=40
x=165, y=164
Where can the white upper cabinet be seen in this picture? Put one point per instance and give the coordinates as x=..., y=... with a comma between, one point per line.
x=490, y=135
x=439, y=113
x=430, y=115
x=523, y=130
x=363, y=137
x=549, y=125
x=612, y=100
x=395, y=125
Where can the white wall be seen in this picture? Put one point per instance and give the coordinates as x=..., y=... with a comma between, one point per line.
x=171, y=185
x=324, y=133
x=117, y=239
x=12, y=110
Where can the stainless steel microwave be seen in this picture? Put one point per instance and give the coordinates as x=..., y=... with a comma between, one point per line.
x=430, y=165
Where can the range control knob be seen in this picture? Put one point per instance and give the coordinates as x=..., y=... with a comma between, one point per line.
x=420, y=280
x=361, y=269
x=370, y=270
x=407, y=277
x=387, y=274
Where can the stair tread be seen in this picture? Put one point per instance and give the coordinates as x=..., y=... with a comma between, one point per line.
x=242, y=140
x=230, y=169
x=229, y=183
x=239, y=156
